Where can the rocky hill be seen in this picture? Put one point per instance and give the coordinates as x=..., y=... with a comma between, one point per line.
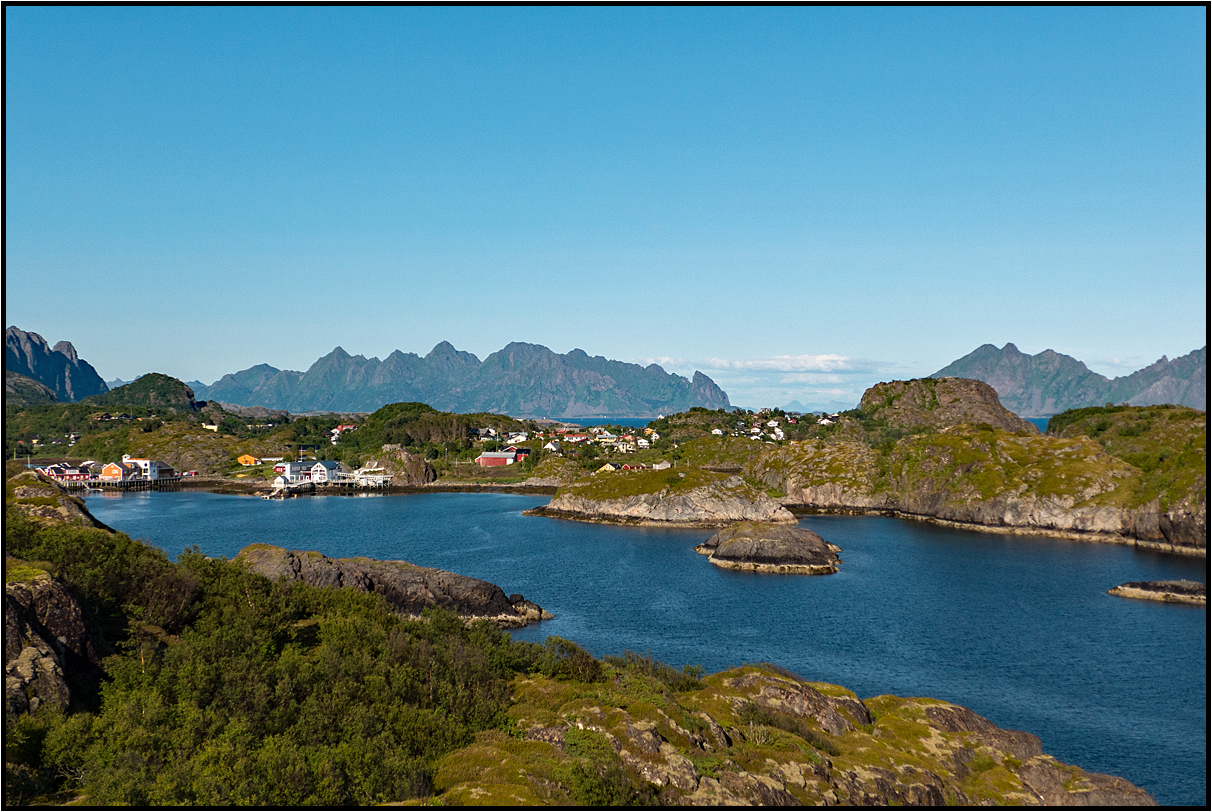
x=936, y=405
x=59, y=368
x=1050, y=383
x=526, y=380
x=153, y=389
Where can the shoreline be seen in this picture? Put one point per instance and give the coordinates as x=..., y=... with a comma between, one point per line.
x=220, y=485
x=1070, y=535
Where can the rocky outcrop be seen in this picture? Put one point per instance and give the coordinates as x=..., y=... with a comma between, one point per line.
x=59, y=368
x=404, y=468
x=724, y=502
x=407, y=587
x=44, y=499
x=771, y=548
x=1191, y=592
x=753, y=736
x=938, y=404
x=47, y=643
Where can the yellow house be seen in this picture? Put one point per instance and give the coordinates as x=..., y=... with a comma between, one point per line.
x=247, y=459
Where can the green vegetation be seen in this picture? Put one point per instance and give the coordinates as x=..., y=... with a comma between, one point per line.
x=151, y=390
x=232, y=690
x=621, y=484
x=1168, y=444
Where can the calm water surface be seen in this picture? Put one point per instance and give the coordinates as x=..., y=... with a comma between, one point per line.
x=1017, y=628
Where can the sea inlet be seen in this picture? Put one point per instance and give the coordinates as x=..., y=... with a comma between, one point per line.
x=1018, y=628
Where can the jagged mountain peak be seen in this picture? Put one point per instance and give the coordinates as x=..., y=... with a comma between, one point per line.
x=1051, y=382
x=523, y=379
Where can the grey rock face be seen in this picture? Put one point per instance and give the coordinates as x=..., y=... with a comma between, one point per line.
x=408, y=588
x=46, y=639
x=1050, y=382
x=767, y=548
x=60, y=368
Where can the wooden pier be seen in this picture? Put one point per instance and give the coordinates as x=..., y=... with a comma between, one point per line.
x=98, y=484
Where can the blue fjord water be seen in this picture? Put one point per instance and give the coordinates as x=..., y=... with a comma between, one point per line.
x=1018, y=628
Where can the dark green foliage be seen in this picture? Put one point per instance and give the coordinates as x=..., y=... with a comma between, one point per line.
x=688, y=679
x=151, y=390
x=1058, y=422
x=751, y=713
x=564, y=659
x=264, y=694
x=597, y=777
x=112, y=573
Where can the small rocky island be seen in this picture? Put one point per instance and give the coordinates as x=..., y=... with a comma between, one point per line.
x=1191, y=592
x=692, y=498
x=407, y=587
x=765, y=548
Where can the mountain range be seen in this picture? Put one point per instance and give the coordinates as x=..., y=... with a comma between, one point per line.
x=1049, y=383
x=524, y=380
x=28, y=359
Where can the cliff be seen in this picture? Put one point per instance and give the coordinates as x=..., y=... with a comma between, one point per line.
x=755, y=736
x=693, y=498
x=408, y=588
x=59, y=368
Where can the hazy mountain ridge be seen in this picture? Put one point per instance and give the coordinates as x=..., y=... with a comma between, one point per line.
x=520, y=379
x=59, y=368
x=1050, y=382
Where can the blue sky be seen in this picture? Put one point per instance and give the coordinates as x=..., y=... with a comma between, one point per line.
x=798, y=201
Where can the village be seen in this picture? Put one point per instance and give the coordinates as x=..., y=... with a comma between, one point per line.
x=493, y=448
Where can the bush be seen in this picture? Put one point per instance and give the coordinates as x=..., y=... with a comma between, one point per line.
x=688, y=679
x=564, y=659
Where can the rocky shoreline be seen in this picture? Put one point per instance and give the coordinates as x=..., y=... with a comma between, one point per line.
x=408, y=588
x=1092, y=537
x=1188, y=592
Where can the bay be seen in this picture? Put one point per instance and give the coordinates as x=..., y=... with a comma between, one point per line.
x=1018, y=628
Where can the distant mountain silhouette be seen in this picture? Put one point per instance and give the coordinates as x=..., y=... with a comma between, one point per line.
x=524, y=380
x=1049, y=383
x=59, y=368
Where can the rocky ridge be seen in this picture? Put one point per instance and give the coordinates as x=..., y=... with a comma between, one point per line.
x=1050, y=382
x=721, y=500
x=753, y=736
x=407, y=587
x=765, y=548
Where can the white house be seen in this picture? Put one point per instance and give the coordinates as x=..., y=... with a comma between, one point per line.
x=718, y=432
x=326, y=471
x=293, y=472
x=151, y=469
x=553, y=446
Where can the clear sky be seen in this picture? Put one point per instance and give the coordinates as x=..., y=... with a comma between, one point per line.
x=797, y=201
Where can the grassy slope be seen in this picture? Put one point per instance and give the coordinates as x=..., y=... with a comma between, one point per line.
x=1168, y=444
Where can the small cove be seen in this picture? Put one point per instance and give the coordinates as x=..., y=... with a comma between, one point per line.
x=1018, y=628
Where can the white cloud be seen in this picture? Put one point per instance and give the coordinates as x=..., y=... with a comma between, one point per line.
x=785, y=363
